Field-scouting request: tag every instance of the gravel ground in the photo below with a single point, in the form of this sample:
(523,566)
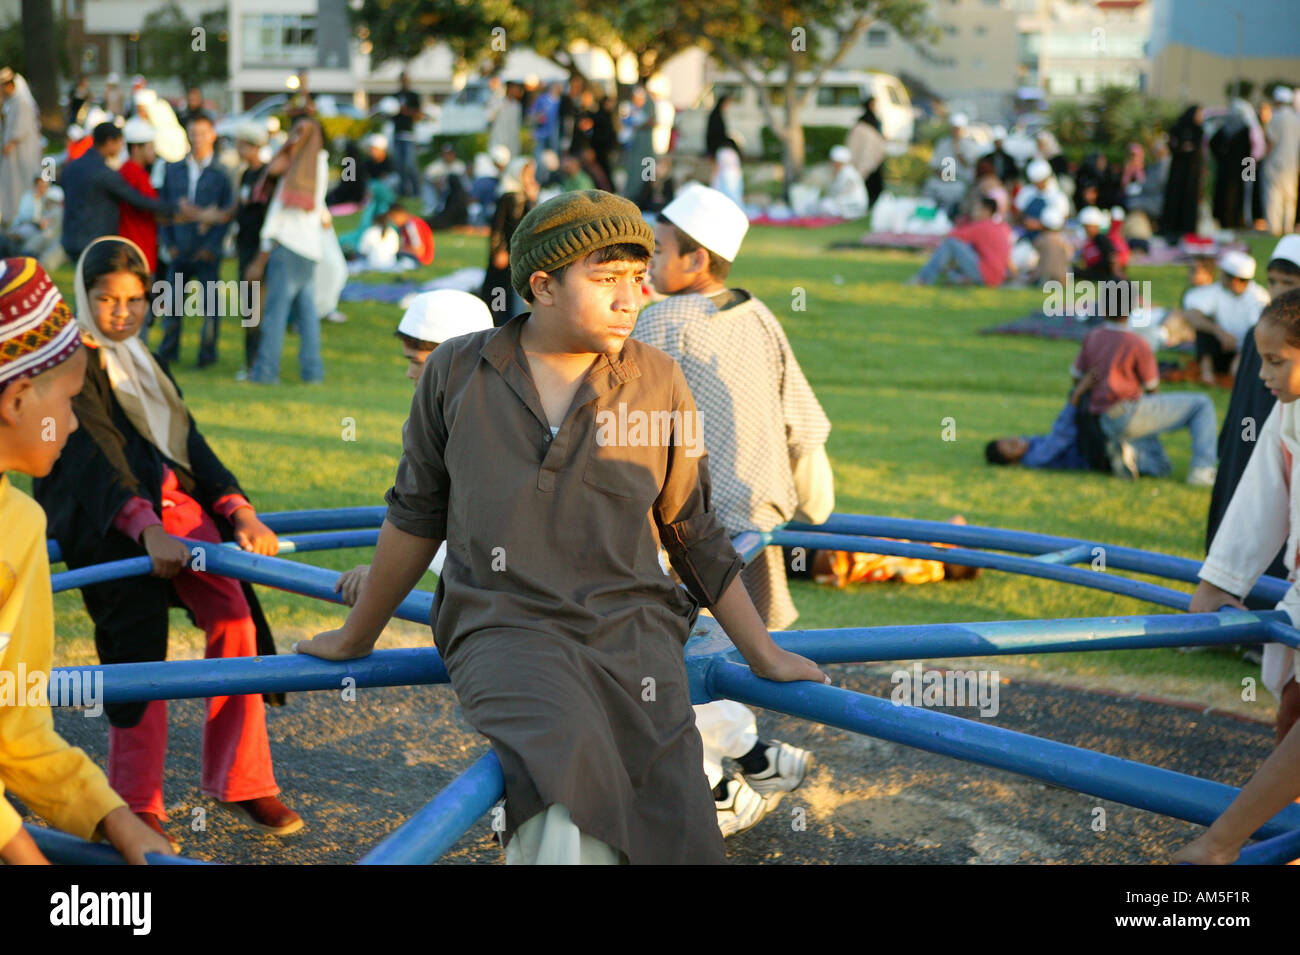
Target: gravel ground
(357,769)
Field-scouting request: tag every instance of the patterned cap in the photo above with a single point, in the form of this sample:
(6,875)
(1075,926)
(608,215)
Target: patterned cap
(36,327)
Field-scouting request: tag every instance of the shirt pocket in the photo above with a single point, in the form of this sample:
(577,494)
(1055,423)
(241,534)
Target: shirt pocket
(623,472)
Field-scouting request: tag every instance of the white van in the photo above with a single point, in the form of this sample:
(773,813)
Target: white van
(837,102)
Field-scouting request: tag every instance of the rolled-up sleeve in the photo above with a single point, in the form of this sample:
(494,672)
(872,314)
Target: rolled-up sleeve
(417,501)
(691,532)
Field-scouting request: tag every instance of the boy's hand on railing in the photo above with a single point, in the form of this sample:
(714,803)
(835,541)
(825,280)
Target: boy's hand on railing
(1210,599)
(22,850)
(1203,851)
(131,837)
(169,555)
(251,534)
(334,645)
(350,583)
(784,666)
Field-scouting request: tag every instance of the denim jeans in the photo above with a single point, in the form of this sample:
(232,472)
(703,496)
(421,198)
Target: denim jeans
(1156,414)
(955,253)
(205,273)
(404,159)
(290,290)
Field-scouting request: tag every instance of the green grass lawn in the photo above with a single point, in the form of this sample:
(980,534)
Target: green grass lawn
(889,364)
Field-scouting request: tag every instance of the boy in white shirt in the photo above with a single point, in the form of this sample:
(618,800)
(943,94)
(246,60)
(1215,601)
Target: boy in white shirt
(1222,314)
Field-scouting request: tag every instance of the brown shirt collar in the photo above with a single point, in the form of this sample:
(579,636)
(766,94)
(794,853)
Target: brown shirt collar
(504,352)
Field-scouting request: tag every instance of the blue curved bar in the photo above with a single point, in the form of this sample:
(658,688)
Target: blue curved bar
(64,849)
(433,830)
(1097,580)
(1107,777)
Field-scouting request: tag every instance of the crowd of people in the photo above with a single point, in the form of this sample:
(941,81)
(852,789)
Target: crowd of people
(594,308)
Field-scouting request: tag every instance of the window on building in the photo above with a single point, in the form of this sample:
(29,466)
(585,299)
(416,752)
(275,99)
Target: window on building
(877,36)
(279,39)
(90,58)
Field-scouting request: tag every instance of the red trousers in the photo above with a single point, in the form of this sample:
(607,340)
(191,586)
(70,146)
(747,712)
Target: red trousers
(236,751)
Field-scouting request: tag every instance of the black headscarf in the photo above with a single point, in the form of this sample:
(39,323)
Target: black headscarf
(869,114)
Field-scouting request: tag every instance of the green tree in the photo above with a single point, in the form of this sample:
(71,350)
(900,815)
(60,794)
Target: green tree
(172,45)
(37,28)
(763,40)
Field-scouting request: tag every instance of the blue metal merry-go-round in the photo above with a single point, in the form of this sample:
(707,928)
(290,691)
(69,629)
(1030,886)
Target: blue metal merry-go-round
(717,670)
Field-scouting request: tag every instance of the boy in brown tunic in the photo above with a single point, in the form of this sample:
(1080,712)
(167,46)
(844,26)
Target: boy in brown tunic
(554,455)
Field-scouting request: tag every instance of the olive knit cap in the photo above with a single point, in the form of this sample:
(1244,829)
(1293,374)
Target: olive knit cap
(571,225)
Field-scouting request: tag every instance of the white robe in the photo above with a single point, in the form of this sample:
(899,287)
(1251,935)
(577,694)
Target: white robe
(19,123)
(1264,514)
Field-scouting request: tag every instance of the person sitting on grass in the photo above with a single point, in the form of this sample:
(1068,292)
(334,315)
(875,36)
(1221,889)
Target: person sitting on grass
(1126,374)
(430,319)
(1102,261)
(552,614)
(42,365)
(1053,250)
(978,251)
(1063,447)
(134,479)
(1258,523)
(1223,314)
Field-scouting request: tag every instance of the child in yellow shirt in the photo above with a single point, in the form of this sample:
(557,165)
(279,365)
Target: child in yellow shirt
(41,369)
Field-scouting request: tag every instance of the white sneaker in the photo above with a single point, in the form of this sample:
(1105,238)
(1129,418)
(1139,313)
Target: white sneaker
(786,768)
(1202,476)
(337,317)
(741,809)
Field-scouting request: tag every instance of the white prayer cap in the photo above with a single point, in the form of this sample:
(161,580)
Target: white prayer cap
(252,132)
(377,141)
(710,218)
(445,313)
(145,97)
(94,116)
(840,154)
(75,132)
(1237,264)
(112,79)
(999,132)
(1052,218)
(958,121)
(1094,216)
(54,194)
(500,154)
(1283,94)
(138,130)
(1039,170)
(1288,249)
(1117,213)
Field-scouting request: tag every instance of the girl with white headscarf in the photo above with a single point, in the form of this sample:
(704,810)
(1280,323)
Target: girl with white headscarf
(138,479)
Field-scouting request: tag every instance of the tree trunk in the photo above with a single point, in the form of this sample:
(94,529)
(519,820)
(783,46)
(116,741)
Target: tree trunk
(42,62)
(793,152)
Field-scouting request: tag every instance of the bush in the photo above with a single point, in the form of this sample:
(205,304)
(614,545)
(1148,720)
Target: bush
(817,140)
(906,174)
(467,145)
